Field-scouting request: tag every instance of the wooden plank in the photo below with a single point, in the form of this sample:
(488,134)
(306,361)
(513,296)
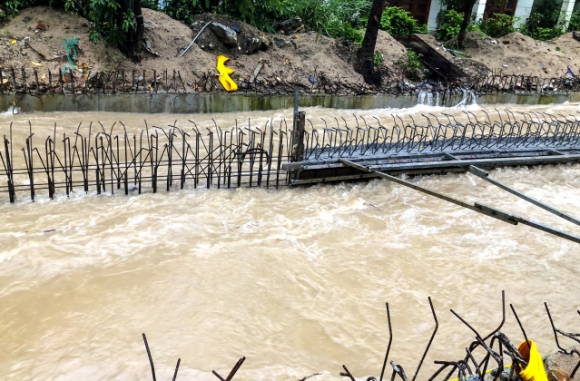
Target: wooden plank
(432,58)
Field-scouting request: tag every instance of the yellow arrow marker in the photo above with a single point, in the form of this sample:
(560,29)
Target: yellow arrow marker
(225,72)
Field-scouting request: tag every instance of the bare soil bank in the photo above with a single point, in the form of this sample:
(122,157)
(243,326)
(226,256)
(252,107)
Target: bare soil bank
(316,63)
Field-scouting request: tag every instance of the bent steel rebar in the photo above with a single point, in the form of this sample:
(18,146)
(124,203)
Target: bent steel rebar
(472,367)
(27,81)
(273,155)
(575,337)
(430,340)
(389,345)
(485,176)
(232,372)
(150,358)
(476,207)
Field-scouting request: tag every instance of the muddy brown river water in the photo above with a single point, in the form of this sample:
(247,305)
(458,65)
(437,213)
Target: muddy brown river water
(294,279)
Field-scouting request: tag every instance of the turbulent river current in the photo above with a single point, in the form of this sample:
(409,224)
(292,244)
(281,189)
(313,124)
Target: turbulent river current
(294,279)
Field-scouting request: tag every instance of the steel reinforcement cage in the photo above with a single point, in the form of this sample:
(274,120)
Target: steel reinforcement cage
(38,82)
(109,159)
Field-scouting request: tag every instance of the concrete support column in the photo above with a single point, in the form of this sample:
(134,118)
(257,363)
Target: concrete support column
(567,9)
(436,7)
(479,9)
(433,12)
(523,11)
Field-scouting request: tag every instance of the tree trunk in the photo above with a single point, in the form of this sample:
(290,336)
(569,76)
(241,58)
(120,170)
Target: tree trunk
(140,27)
(213,4)
(467,11)
(134,35)
(365,55)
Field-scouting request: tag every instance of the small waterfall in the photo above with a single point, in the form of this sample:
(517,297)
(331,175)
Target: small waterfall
(463,102)
(12,110)
(428,97)
(473,98)
(422,95)
(425,98)
(467,97)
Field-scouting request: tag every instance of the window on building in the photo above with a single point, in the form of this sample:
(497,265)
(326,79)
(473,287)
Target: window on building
(418,8)
(507,7)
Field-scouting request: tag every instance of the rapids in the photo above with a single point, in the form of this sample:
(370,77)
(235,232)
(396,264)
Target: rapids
(296,280)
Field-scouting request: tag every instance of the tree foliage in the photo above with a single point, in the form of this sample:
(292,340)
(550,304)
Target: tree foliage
(109,20)
(574,21)
(398,22)
(499,25)
(365,55)
(467,8)
(334,18)
(450,25)
(259,13)
(114,22)
(543,23)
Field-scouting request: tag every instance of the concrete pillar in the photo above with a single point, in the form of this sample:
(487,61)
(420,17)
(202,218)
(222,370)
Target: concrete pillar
(433,12)
(479,9)
(567,9)
(436,7)
(523,11)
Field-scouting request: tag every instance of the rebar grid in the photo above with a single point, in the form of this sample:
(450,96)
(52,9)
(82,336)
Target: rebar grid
(474,365)
(39,82)
(109,159)
(368,138)
(97,158)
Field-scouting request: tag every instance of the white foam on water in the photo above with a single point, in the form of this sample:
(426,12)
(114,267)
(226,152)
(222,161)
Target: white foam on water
(12,110)
(294,279)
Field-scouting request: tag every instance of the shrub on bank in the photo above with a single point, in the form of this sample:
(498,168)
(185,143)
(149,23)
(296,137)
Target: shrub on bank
(574,22)
(259,13)
(411,65)
(499,25)
(334,18)
(10,8)
(398,22)
(543,23)
(450,24)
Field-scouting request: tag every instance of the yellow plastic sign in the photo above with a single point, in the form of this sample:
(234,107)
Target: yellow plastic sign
(225,72)
(535,370)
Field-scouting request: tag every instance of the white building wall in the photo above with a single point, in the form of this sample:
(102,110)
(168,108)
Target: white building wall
(433,12)
(436,7)
(479,9)
(567,9)
(523,11)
